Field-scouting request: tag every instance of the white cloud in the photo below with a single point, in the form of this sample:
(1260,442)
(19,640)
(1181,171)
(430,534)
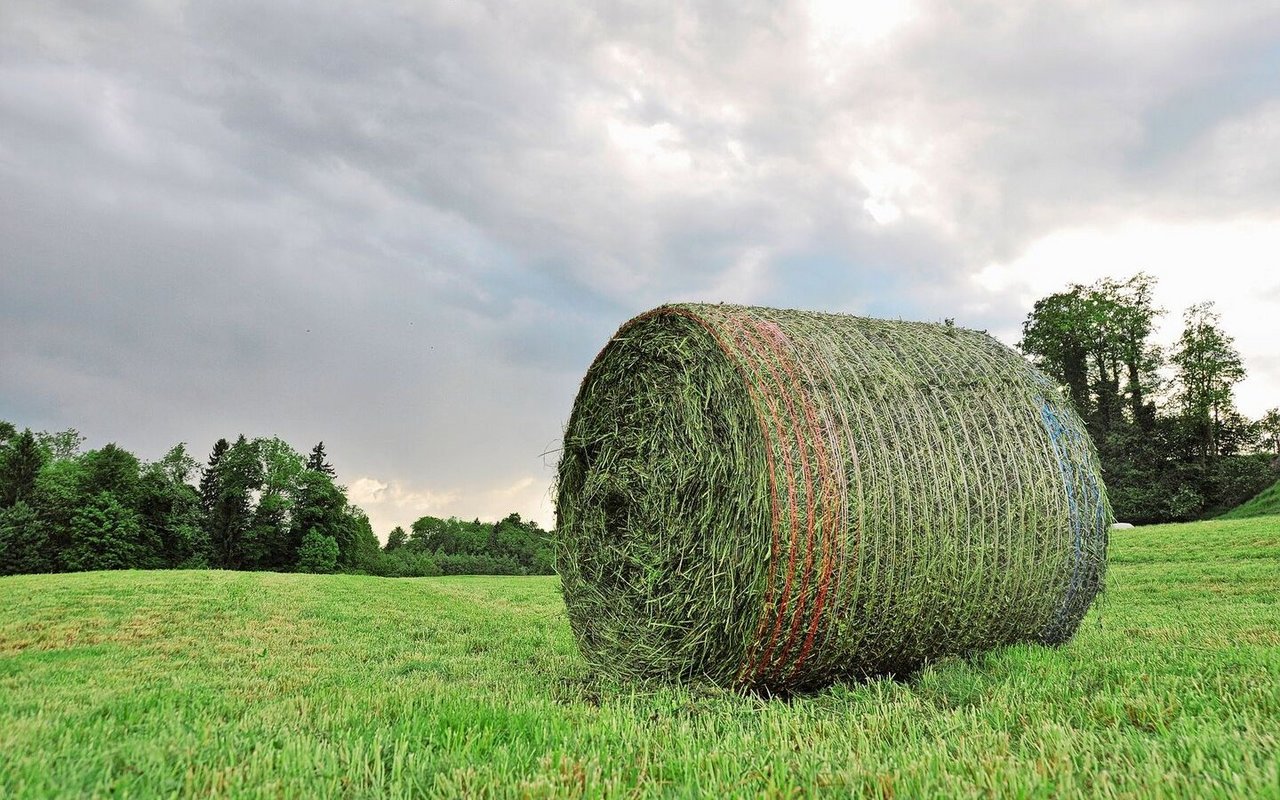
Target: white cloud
(839,26)
(650,147)
(392,502)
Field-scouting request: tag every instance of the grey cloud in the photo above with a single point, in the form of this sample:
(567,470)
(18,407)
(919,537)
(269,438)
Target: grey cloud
(407,228)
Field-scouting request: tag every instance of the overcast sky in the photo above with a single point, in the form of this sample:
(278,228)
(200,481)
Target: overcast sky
(407,228)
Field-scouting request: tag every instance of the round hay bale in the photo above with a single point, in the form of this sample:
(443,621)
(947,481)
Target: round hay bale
(778,499)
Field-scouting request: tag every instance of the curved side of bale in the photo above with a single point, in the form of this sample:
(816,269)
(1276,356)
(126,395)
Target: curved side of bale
(778,499)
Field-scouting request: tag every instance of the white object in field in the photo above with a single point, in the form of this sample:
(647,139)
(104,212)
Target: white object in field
(1121,526)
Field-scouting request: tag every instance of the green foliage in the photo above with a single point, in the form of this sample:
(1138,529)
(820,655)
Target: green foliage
(1265,503)
(473,687)
(20,461)
(1157,475)
(1095,341)
(169,508)
(254,502)
(7,432)
(58,498)
(1233,481)
(406,562)
(110,469)
(364,551)
(1208,368)
(211,479)
(510,547)
(105,535)
(1188,460)
(1056,334)
(318,461)
(267,541)
(396,539)
(318,553)
(321,506)
(230,518)
(61,445)
(270,543)
(1269,429)
(24,545)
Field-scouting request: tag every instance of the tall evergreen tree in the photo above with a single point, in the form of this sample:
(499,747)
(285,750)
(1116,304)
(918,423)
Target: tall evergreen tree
(23,541)
(320,507)
(240,475)
(211,479)
(20,463)
(318,462)
(396,540)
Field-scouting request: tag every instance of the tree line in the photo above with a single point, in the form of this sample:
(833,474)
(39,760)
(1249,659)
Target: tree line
(256,504)
(1172,444)
(434,546)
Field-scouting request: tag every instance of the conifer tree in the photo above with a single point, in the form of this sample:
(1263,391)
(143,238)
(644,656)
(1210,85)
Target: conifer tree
(318,462)
(240,473)
(211,478)
(397,539)
(23,541)
(20,463)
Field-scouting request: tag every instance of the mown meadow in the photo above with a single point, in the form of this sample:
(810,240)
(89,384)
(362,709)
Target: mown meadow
(266,685)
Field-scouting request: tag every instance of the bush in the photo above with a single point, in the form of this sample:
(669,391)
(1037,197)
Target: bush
(405,563)
(1236,479)
(318,553)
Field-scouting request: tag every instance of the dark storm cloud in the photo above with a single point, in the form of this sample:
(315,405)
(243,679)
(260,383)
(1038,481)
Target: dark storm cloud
(406,228)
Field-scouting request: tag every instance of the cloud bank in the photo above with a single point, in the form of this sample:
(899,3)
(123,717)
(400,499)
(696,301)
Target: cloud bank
(407,228)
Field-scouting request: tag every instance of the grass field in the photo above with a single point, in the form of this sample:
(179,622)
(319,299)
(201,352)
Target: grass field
(165,683)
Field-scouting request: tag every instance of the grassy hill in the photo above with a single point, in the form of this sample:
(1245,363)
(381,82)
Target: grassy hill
(1266,502)
(264,685)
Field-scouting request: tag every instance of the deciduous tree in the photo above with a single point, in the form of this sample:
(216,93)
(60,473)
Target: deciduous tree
(318,553)
(1208,368)
(104,535)
(1270,425)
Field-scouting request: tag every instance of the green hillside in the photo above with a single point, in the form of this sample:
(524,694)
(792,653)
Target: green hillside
(269,685)
(1266,502)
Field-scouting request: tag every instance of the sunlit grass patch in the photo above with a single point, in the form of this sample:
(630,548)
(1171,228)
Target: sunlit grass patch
(264,685)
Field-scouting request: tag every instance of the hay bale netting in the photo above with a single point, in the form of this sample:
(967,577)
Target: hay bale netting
(779,499)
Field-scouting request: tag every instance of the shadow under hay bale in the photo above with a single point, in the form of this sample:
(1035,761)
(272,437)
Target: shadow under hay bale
(775,499)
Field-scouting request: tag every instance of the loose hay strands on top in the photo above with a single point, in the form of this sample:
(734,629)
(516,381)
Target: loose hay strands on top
(778,499)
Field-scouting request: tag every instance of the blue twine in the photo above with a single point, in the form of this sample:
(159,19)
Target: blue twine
(1067,439)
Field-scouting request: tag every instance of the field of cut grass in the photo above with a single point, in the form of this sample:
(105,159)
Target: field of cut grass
(1266,502)
(143,684)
